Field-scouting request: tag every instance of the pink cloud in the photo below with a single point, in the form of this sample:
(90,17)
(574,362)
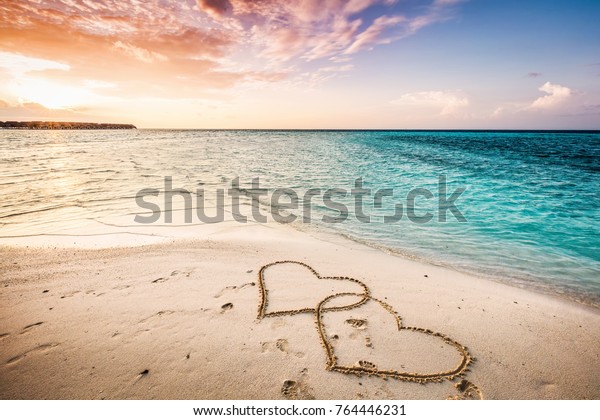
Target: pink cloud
(161,48)
(144,48)
(278,29)
(314,29)
(373,34)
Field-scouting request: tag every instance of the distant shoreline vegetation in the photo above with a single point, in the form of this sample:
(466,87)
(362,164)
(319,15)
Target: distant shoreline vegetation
(62,125)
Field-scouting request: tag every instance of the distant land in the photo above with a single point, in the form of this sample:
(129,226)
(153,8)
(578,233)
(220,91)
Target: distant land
(61,125)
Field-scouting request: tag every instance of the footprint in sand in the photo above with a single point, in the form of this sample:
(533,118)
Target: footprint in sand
(466,391)
(157,315)
(94,293)
(367,365)
(70,294)
(40,348)
(296,390)
(359,324)
(173,274)
(360,329)
(230,288)
(226,307)
(30,326)
(281,345)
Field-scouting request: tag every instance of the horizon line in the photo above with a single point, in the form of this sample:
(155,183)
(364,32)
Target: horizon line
(521,130)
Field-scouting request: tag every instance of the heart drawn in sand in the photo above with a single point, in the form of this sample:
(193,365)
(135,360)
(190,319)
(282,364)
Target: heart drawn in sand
(404,348)
(303,276)
(363,367)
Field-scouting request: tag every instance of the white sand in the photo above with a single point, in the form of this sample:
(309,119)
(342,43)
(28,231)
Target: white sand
(85,323)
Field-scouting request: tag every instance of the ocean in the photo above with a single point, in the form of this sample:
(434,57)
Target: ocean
(525,210)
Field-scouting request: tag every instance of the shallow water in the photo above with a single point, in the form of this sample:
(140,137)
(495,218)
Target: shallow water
(531,200)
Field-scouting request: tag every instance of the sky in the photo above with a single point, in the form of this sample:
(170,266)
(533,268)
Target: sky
(429,64)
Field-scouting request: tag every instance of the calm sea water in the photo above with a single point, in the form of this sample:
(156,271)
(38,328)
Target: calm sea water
(531,200)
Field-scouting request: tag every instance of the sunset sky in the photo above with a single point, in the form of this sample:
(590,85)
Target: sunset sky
(303,63)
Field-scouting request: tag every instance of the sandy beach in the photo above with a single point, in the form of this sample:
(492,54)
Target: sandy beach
(187,319)
(363,200)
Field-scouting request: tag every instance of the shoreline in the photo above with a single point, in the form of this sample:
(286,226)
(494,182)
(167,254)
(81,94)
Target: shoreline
(172,308)
(533,284)
(120,231)
(102,237)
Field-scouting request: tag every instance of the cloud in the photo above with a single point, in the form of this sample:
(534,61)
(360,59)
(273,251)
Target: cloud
(215,7)
(556,94)
(447,2)
(314,29)
(499,111)
(373,34)
(192,48)
(337,69)
(18,64)
(448,102)
(33,110)
(276,30)
(138,53)
(533,74)
(115,41)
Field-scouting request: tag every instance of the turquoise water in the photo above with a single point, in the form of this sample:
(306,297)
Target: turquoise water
(530,200)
